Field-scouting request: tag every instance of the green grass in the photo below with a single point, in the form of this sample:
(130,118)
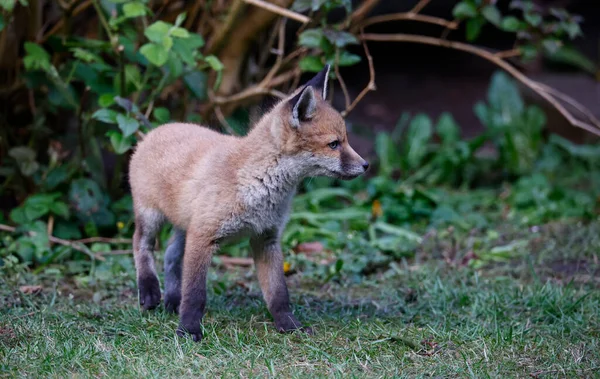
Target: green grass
(536,314)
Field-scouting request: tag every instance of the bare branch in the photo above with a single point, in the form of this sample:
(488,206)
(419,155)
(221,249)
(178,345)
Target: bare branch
(361,12)
(280,51)
(535,86)
(407,16)
(420,5)
(370,86)
(73,245)
(340,79)
(279,10)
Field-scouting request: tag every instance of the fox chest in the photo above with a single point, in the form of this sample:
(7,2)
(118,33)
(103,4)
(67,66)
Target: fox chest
(260,211)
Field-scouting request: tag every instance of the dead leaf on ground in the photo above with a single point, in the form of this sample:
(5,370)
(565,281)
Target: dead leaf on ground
(30,290)
(310,247)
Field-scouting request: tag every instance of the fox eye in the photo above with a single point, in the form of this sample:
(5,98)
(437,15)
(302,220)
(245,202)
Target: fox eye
(334,144)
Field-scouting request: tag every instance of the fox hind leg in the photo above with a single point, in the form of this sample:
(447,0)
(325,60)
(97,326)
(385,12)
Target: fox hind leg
(172,267)
(147,225)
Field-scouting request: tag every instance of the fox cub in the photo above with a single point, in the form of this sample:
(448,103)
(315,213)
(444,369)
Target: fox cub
(213,187)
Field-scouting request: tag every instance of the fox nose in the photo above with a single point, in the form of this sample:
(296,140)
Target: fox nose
(365,165)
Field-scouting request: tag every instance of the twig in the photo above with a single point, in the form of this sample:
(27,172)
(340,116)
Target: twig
(221,116)
(79,247)
(408,16)
(535,86)
(340,79)
(280,51)
(508,53)
(420,5)
(370,86)
(256,90)
(80,8)
(221,33)
(279,10)
(569,100)
(104,239)
(361,12)
(234,261)
(104,22)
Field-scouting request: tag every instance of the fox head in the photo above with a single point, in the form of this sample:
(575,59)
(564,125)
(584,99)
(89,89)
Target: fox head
(315,132)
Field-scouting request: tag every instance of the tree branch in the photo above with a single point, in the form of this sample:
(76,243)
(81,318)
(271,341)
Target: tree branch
(535,86)
(370,86)
(407,16)
(72,244)
(279,10)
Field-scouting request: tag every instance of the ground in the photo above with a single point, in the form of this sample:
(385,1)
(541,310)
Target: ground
(536,315)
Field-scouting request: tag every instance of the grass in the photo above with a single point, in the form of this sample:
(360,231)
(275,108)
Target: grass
(537,315)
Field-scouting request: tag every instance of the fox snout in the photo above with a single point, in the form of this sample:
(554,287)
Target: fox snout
(352,165)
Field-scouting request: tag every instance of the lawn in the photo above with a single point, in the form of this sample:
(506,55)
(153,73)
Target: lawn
(537,315)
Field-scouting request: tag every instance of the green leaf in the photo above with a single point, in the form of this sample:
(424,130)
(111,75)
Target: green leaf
(419,134)
(161,114)
(119,143)
(179,32)
(386,153)
(85,55)
(2,22)
(348,59)
(311,38)
(504,96)
(463,10)
(304,5)
(188,48)
(105,115)
(474,26)
(447,128)
(572,28)
(134,9)
(528,52)
(533,19)
(155,53)
(180,19)
(60,209)
(340,38)
(196,82)
(157,31)
(214,63)
(571,56)
(551,45)
(36,58)
(511,24)
(492,14)
(311,63)
(127,124)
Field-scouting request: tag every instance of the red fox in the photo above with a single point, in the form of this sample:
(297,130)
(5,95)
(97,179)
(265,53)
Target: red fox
(213,187)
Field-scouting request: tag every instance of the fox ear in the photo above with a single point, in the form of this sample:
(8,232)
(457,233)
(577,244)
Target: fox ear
(304,106)
(320,81)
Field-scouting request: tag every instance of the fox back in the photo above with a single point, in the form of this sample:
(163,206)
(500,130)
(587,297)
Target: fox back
(213,187)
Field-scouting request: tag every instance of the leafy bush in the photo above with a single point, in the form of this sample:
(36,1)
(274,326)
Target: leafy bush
(90,93)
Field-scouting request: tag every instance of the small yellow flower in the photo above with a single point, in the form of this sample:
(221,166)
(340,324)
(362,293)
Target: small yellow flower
(376,209)
(286,267)
(120,225)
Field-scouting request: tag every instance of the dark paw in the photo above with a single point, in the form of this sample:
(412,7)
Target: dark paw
(149,290)
(196,334)
(172,301)
(287,323)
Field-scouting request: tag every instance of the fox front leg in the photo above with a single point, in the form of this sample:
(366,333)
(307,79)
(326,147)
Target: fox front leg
(268,259)
(199,250)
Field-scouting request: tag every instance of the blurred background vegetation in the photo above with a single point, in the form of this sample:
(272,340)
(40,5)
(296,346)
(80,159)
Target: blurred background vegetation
(463,138)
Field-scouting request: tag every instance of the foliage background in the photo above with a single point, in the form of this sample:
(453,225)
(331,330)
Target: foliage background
(84,80)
